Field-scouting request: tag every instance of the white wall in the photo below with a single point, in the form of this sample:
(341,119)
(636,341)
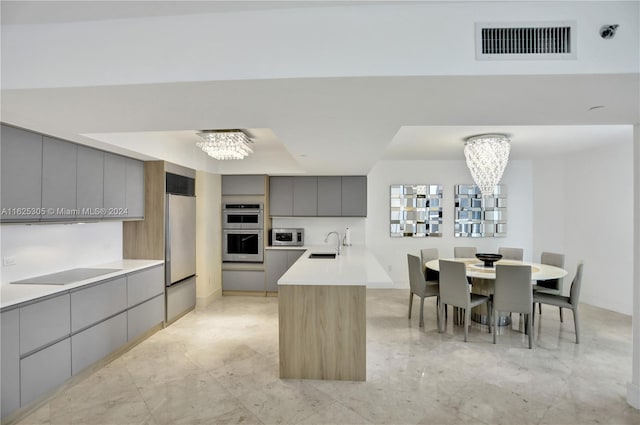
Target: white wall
(316,229)
(299,43)
(584,208)
(601,181)
(49,248)
(208,239)
(392,252)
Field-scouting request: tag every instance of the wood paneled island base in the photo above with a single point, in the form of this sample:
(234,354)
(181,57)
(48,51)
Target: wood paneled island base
(323,332)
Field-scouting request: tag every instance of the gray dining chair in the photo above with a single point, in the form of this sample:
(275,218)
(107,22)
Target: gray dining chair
(513,294)
(464,251)
(564,302)
(420,287)
(551,286)
(454,290)
(511,253)
(428,254)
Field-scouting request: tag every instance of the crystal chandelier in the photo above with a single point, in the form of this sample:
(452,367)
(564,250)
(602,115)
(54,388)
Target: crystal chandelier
(225,144)
(487,156)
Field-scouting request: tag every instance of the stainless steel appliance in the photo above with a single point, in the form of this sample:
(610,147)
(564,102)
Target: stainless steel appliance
(242,216)
(180,246)
(242,245)
(287,237)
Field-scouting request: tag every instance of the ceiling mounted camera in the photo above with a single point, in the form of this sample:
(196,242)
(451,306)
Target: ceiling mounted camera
(608,31)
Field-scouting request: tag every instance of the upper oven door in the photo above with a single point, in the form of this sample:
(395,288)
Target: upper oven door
(242,219)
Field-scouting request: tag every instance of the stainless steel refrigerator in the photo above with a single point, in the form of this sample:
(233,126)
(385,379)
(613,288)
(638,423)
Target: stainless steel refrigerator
(180,254)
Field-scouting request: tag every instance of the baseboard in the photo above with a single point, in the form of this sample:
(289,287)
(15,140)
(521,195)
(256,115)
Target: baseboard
(633,395)
(244,293)
(202,302)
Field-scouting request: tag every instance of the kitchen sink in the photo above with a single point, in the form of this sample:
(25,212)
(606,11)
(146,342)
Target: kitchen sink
(323,255)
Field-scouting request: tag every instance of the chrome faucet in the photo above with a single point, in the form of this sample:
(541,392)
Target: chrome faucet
(339,240)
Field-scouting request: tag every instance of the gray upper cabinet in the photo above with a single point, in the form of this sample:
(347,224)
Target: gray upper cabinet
(324,196)
(330,196)
(115,180)
(89,182)
(354,196)
(281,196)
(21,153)
(59,166)
(134,192)
(243,185)
(305,196)
(48,179)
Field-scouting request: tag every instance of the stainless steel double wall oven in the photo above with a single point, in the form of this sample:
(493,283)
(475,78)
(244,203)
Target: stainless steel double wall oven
(242,239)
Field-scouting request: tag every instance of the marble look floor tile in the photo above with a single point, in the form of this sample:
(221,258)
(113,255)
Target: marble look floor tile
(285,401)
(219,365)
(248,374)
(335,414)
(190,400)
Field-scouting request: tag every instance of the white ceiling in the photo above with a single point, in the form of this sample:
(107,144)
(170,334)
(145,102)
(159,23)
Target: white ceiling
(328,125)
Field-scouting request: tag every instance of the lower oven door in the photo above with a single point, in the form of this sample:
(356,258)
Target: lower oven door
(244,246)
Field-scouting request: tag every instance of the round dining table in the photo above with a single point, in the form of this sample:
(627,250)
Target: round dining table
(482,278)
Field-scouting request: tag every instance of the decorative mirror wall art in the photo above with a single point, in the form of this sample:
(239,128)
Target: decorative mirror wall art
(416,210)
(478,217)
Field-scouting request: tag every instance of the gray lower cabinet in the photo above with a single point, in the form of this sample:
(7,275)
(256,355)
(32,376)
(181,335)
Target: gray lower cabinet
(243,280)
(89,182)
(115,180)
(96,342)
(93,304)
(59,168)
(277,262)
(354,196)
(21,179)
(243,185)
(44,322)
(10,361)
(329,196)
(144,317)
(44,342)
(181,297)
(281,196)
(305,196)
(134,189)
(144,285)
(44,370)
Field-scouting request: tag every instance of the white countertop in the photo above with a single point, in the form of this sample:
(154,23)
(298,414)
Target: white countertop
(12,294)
(354,266)
(288,247)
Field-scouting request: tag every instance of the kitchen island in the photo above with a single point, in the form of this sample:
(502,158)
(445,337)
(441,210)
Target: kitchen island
(322,314)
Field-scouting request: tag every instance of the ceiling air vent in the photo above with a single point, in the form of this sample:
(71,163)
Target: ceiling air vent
(540,40)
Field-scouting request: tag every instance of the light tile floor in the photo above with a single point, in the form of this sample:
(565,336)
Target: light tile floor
(219,365)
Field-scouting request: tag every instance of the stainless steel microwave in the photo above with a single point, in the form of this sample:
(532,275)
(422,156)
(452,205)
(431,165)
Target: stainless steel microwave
(242,216)
(287,237)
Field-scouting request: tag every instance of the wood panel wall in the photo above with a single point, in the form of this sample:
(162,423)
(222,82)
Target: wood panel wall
(145,239)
